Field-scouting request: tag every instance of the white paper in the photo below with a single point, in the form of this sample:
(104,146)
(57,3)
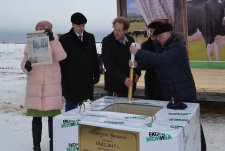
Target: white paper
(38,48)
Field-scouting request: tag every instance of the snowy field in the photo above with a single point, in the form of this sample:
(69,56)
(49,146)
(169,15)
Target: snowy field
(15,127)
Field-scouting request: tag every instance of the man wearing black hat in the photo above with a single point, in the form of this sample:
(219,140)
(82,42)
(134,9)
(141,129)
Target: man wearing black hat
(173,70)
(152,87)
(80,70)
(172,65)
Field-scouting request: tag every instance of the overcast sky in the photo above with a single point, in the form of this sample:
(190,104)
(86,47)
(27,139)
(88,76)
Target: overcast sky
(22,15)
(132,7)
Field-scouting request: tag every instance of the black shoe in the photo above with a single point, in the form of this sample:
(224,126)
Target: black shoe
(50,132)
(37,149)
(36,133)
(50,146)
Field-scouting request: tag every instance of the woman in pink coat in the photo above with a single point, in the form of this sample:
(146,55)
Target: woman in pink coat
(43,91)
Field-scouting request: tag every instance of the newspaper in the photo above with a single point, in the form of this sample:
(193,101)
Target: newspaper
(38,48)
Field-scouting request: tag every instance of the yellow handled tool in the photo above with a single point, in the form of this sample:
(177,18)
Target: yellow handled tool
(130,89)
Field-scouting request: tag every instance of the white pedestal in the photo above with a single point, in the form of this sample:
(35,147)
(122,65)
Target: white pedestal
(175,130)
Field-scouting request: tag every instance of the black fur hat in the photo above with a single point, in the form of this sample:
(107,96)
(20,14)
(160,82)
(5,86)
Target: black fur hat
(163,28)
(78,18)
(154,24)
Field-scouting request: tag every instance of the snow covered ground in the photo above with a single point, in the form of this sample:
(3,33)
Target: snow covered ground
(15,127)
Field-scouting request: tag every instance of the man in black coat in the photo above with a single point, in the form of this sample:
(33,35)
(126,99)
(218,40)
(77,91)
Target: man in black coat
(173,70)
(172,64)
(80,70)
(152,87)
(115,56)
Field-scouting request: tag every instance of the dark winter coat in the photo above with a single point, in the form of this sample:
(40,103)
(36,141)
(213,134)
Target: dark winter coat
(80,70)
(173,70)
(152,87)
(115,56)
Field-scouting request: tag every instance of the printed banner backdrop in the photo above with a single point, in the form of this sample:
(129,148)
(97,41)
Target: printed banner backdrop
(206,27)
(138,28)
(206,30)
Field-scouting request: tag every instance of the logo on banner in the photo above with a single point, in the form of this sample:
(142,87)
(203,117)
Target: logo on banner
(142,103)
(72,147)
(179,120)
(149,125)
(113,122)
(157,136)
(176,126)
(179,114)
(141,117)
(94,115)
(69,123)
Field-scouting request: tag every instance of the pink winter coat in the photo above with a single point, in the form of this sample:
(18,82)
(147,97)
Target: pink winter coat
(43,91)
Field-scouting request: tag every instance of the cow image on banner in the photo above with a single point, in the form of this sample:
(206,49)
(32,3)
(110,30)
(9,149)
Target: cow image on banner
(205,24)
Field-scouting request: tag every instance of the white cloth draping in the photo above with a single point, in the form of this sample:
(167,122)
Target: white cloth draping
(156,9)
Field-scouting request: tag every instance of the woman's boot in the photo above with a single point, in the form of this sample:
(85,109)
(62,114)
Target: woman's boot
(50,132)
(36,132)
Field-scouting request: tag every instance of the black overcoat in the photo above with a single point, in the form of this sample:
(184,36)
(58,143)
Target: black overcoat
(80,68)
(173,70)
(115,56)
(152,87)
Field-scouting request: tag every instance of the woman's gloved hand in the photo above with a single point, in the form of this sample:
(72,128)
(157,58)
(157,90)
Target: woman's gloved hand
(50,34)
(28,66)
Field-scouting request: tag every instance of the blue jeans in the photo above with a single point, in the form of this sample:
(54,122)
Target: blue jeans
(70,105)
